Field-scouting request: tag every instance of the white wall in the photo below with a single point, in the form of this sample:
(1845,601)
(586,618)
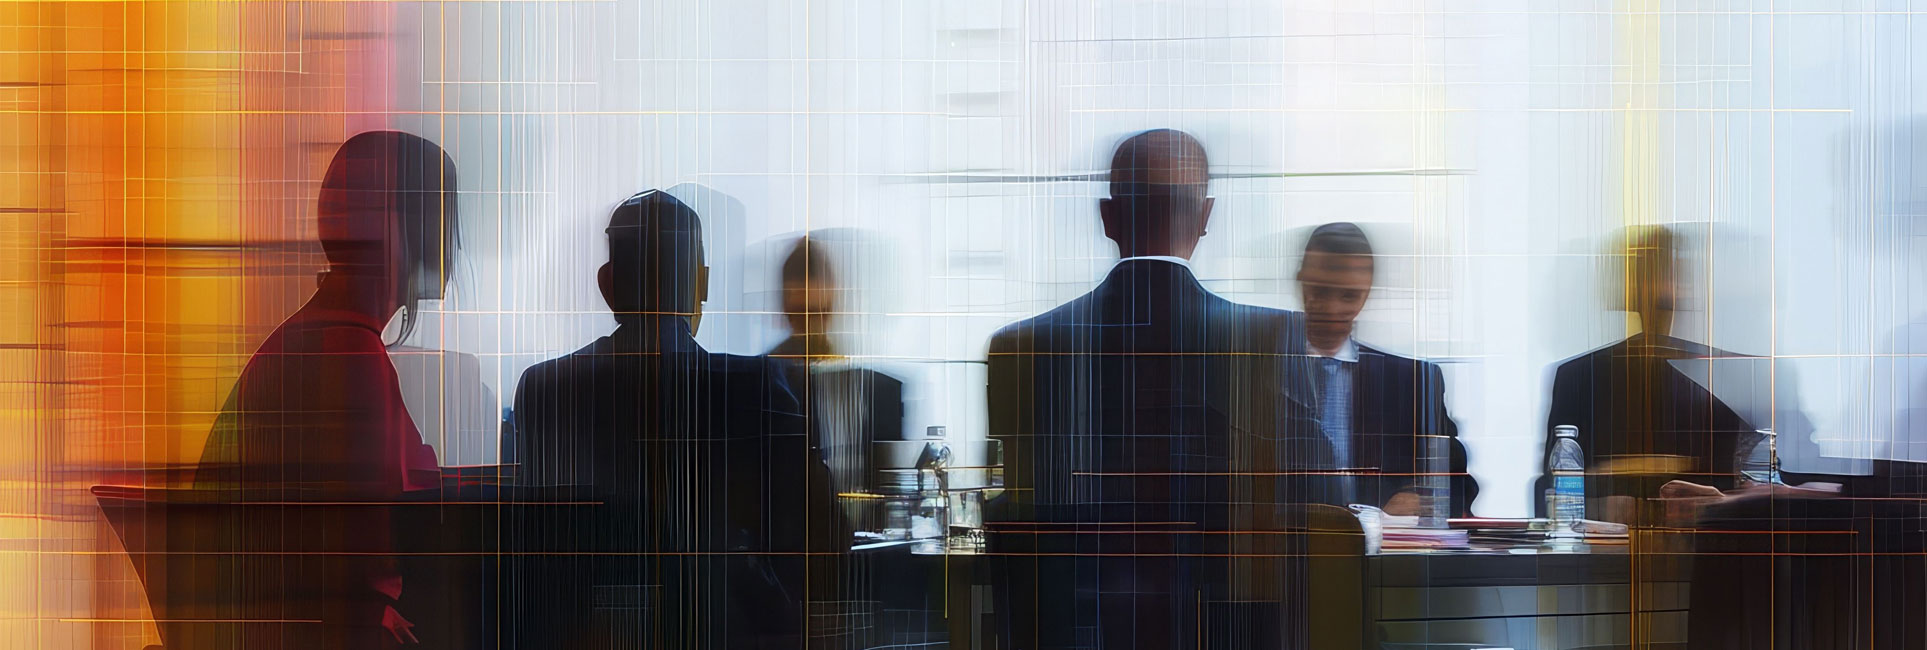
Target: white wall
(1504,139)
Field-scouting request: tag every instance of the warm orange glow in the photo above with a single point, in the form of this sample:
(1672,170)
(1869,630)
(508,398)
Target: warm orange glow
(156,193)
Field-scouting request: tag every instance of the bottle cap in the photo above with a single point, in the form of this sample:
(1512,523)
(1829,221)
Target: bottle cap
(1565,431)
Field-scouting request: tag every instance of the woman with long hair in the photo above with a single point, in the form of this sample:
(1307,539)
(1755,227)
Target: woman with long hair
(317,416)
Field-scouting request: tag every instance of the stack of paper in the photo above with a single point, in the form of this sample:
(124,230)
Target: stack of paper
(1402,537)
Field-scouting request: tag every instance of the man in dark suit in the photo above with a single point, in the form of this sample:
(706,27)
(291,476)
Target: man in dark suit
(1647,428)
(711,493)
(1142,423)
(1373,405)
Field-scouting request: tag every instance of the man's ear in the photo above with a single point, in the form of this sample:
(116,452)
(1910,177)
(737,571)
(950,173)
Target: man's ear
(1116,226)
(605,279)
(702,286)
(1204,216)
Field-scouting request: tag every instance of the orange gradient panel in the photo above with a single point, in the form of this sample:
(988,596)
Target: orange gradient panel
(156,212)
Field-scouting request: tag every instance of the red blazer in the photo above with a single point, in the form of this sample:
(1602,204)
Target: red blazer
(317,415)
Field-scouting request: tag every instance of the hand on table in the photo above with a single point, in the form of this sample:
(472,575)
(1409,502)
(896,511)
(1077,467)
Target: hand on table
(1686,490)
(1403,504)
(1686,499)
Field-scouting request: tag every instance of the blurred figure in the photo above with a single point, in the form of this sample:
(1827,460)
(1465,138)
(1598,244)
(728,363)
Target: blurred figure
(1661,416)
(713,493)
(809,302)
(1897,407)
(1642,419)
(1148,410)
(1836,558)
(318,415)
(849,406)
(1372,405)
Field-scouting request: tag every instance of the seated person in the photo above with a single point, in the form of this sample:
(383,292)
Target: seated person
(700,460)
(1372,405)
(318,413)
(1147,446)
(849,406)
(1649,420)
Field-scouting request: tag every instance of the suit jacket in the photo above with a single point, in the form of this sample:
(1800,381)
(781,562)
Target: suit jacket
(849,407)
(1140,423)
(1629,399)
(1394,400)
(712,495)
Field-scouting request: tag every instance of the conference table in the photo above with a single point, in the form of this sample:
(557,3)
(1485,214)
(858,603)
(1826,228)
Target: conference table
(1521,593)
(1527,597)
(1854,565)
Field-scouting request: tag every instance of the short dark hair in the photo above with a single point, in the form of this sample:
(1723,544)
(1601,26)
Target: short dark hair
(655,249)
(1159,191)
(1339,238)
(807,261)
(1157,150)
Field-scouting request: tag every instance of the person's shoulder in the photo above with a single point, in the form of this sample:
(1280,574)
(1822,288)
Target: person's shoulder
(1012,338)
(1253,310)
(1579,371)
(1023,334)
(304,335)
(1254,326)
(1700,350)
(1389,357)
(1250,313)
(1592,356)
(740,365)
(739,374)
(543,373)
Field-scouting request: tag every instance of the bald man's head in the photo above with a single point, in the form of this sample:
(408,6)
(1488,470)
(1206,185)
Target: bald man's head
(1159,204)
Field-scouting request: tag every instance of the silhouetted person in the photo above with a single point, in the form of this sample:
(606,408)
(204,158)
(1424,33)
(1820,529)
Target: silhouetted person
(849,405)
(1642,420)
(1836,561)
(712,495)
(1372,405)
(1140,422)
(810,291)
(317,414)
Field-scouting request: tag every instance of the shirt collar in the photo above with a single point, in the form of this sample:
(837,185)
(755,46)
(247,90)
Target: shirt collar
(1348,352)
(1162,258)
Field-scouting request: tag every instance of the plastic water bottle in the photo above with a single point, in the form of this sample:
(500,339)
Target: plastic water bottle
(932,518)
(1757,458)
(1566,504)
(1434,486)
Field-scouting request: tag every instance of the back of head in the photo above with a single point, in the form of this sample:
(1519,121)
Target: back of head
(807,262)
(656,257)
(1158,205)
(384,185)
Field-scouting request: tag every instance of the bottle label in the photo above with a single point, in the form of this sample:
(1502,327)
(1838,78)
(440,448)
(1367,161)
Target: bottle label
(1569,498)
(1574,485)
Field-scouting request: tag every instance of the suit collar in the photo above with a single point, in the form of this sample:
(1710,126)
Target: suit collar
(1151,273)
(670,334)
(1348,352)
(1159,258)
